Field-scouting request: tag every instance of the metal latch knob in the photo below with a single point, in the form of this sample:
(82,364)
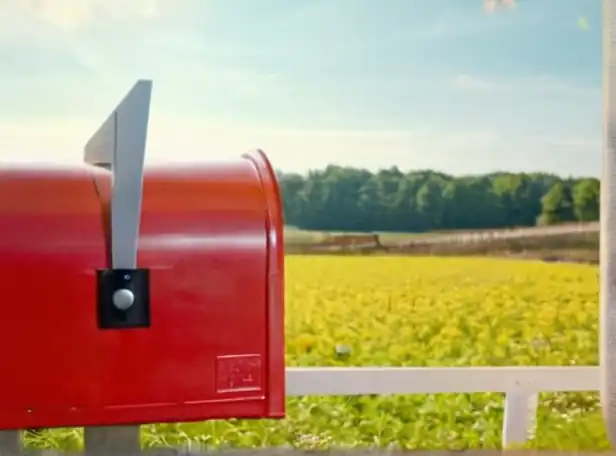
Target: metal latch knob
(123,299)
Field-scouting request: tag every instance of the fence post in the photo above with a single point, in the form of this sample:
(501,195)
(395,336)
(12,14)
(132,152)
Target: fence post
(607,318)
(520,417)
(108,440)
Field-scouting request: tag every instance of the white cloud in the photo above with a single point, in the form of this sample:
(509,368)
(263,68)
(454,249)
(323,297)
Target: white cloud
(72,14)
(468,82)
(541,85)
(91,33)
(491,6)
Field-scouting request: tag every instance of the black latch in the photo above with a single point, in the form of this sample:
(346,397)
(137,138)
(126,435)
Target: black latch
(123,298)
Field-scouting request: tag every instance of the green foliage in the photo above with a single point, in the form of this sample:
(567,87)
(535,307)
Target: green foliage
(586,199)
(349,199)
(557,204)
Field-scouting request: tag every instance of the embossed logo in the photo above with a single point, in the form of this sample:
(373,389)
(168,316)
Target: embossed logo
(237,373)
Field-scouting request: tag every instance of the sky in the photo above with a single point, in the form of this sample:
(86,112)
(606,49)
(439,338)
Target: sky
(416,84)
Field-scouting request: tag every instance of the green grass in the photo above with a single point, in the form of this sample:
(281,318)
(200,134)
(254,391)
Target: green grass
(411,422)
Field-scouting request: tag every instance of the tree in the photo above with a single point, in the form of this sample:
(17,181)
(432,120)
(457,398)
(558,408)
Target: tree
(557,205)
(430,203)
(348,199)
(586,200)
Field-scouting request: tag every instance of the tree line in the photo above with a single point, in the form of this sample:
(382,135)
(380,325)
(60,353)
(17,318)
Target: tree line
(350,199)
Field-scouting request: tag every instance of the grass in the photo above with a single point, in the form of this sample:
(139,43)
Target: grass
(403,311)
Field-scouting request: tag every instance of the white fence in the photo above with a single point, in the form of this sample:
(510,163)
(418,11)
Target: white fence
(521,386)
(479,236)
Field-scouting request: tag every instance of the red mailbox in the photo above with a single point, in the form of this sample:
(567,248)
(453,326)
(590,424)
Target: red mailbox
(132,296)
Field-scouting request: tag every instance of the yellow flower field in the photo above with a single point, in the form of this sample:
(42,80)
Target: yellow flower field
(396,311)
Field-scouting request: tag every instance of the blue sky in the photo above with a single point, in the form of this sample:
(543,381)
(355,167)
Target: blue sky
(413,83)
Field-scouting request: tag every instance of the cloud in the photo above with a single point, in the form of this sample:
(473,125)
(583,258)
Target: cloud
(74,14)
(472,83)
(83,32)
(62,45)
(535,85)
(491,6)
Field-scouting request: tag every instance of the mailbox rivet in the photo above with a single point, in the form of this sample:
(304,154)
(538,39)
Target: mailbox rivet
(123,299)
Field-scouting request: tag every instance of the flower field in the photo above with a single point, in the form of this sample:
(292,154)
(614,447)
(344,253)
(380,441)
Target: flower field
(396,311)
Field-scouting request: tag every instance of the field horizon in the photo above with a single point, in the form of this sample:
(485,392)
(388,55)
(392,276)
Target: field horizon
(571,242)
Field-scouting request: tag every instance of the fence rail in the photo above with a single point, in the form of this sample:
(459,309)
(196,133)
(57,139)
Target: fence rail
(521,386)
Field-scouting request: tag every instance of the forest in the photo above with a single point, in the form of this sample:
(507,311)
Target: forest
(349,199)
